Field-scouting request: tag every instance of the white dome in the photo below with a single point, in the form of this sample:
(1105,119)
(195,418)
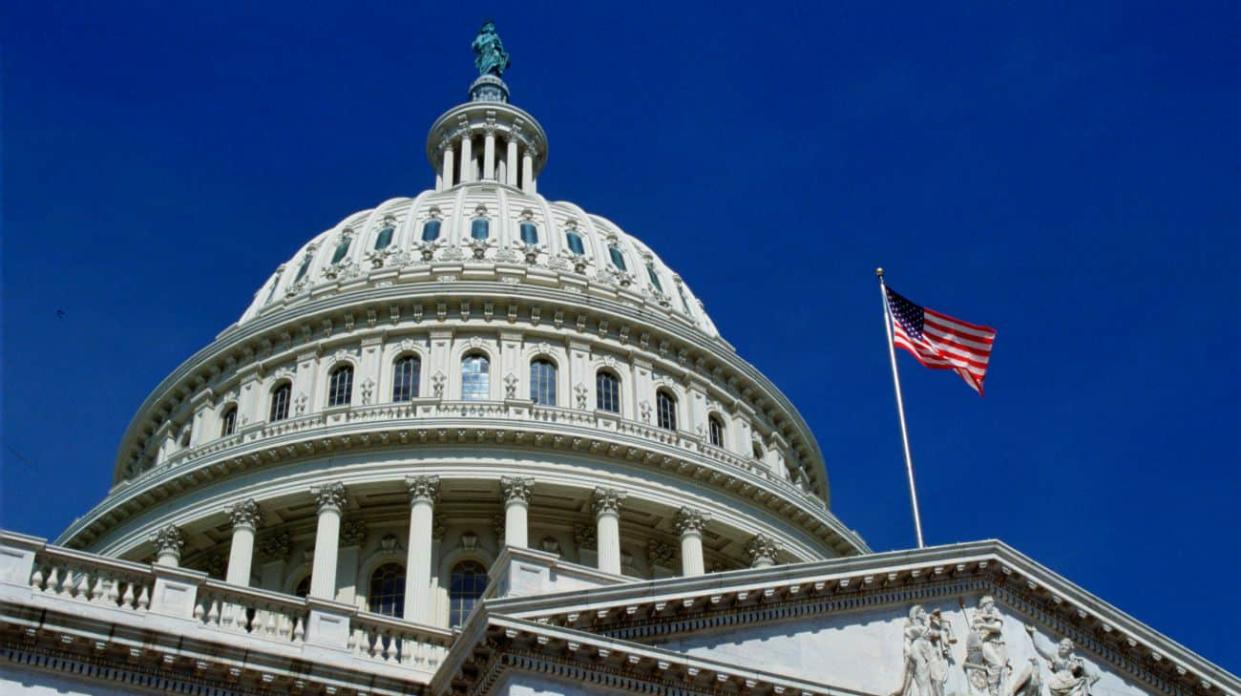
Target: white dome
(369,245)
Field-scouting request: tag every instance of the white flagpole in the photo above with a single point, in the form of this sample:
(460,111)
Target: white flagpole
(900,406)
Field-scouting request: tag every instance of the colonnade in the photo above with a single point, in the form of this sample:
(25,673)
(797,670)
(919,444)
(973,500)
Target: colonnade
(458,164)
(330,499)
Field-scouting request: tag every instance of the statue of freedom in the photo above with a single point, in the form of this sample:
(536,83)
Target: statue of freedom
(489,55)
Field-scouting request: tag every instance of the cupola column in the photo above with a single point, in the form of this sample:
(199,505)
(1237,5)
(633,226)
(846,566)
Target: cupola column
(246,518)
(422,493)
(690,523)
(168,544)
(762,551)
(447,167)
(331,500)
(489,155)
(527,171)
(467,159)
(516,509)
(607,533)
(510,169)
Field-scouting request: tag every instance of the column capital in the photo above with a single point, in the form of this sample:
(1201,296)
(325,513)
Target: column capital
(762,549)
(422,488)
(245,515)
(691,521)
(517,488)
(168,540)
(329,497)
(608,501)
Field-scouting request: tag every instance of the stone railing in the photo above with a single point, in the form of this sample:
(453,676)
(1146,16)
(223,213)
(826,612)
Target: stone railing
(73,583)
(426,411)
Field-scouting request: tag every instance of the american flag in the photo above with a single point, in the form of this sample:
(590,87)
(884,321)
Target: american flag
(941,342)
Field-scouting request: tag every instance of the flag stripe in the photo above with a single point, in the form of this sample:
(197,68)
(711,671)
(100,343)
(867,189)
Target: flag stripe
(941,342)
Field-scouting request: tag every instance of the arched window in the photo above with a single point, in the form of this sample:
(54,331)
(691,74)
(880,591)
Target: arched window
(385,237)
(340,386)
(431,230)
(618,259)
(650,273)
(387,590)
(280,402)
(574,240)
(543,382)
(469,579)
(342,248)
(716,428)
(666,408)
(475,378)
(480,228)
(405,375)
(303,587)
(607,392)
(301,272)
(529,233)
(228,422)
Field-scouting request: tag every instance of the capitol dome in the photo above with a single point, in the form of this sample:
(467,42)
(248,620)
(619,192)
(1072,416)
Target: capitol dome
(448,374)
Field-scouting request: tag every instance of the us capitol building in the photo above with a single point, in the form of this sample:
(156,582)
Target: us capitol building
(481,442)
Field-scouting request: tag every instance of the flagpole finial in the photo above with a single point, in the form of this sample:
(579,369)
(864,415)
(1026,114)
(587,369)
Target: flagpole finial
(879,272)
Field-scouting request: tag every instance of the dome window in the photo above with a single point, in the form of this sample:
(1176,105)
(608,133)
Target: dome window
(475,378)
(341,249)
(529,233)
(618,259)
(405,378)
(275,282)
(387,590)
(480,228)
(684,300)
(607,392)
(543,382)
(715,426)
(280,402)
(468,580)
(666,408)
(301,272)
(228,422)
(385,237)
(574,240)
(340,386)
(431,230)
(650,273)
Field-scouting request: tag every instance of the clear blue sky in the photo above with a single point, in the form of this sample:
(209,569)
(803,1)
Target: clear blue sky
(1069,175)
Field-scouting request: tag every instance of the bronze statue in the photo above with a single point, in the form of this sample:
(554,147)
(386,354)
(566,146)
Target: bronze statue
(489,55)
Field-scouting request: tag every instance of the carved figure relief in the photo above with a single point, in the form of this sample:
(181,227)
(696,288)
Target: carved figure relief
(986,657)
(927,652)
(1069,674)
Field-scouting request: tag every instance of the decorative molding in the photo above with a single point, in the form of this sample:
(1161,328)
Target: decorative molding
(608,501)
(168,540)
(691,521)
(245,515)
(517,488)
(275,546)
(353,532)
(762,549)
(422,488)
(329,497)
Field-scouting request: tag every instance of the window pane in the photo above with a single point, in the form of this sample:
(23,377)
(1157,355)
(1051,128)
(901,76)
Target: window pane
(466,585)
(543,382)
(340,390)
(607,392)
(405,378)
(480,228)
(280,403)
(717,432)
(650,272)
(384,238)
(529,233)
(431,230)
(387,590)
(575,243)
(301,272)
(229,422)
(341,250)
(475,378)
(684,301)
(618,259)
(667,407)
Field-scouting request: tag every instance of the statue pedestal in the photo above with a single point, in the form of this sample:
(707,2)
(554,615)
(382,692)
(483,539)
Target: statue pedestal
(489,88)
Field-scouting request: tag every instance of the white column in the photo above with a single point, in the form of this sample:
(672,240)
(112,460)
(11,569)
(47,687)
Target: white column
(607,530)
(168,544)
(517,492)
(422,493)
(331,499)
(690,523)
(446,171)
(467,160)
(352,535)
(246,518)
(762,550)
(511,165)
(489,155)
(527,171)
